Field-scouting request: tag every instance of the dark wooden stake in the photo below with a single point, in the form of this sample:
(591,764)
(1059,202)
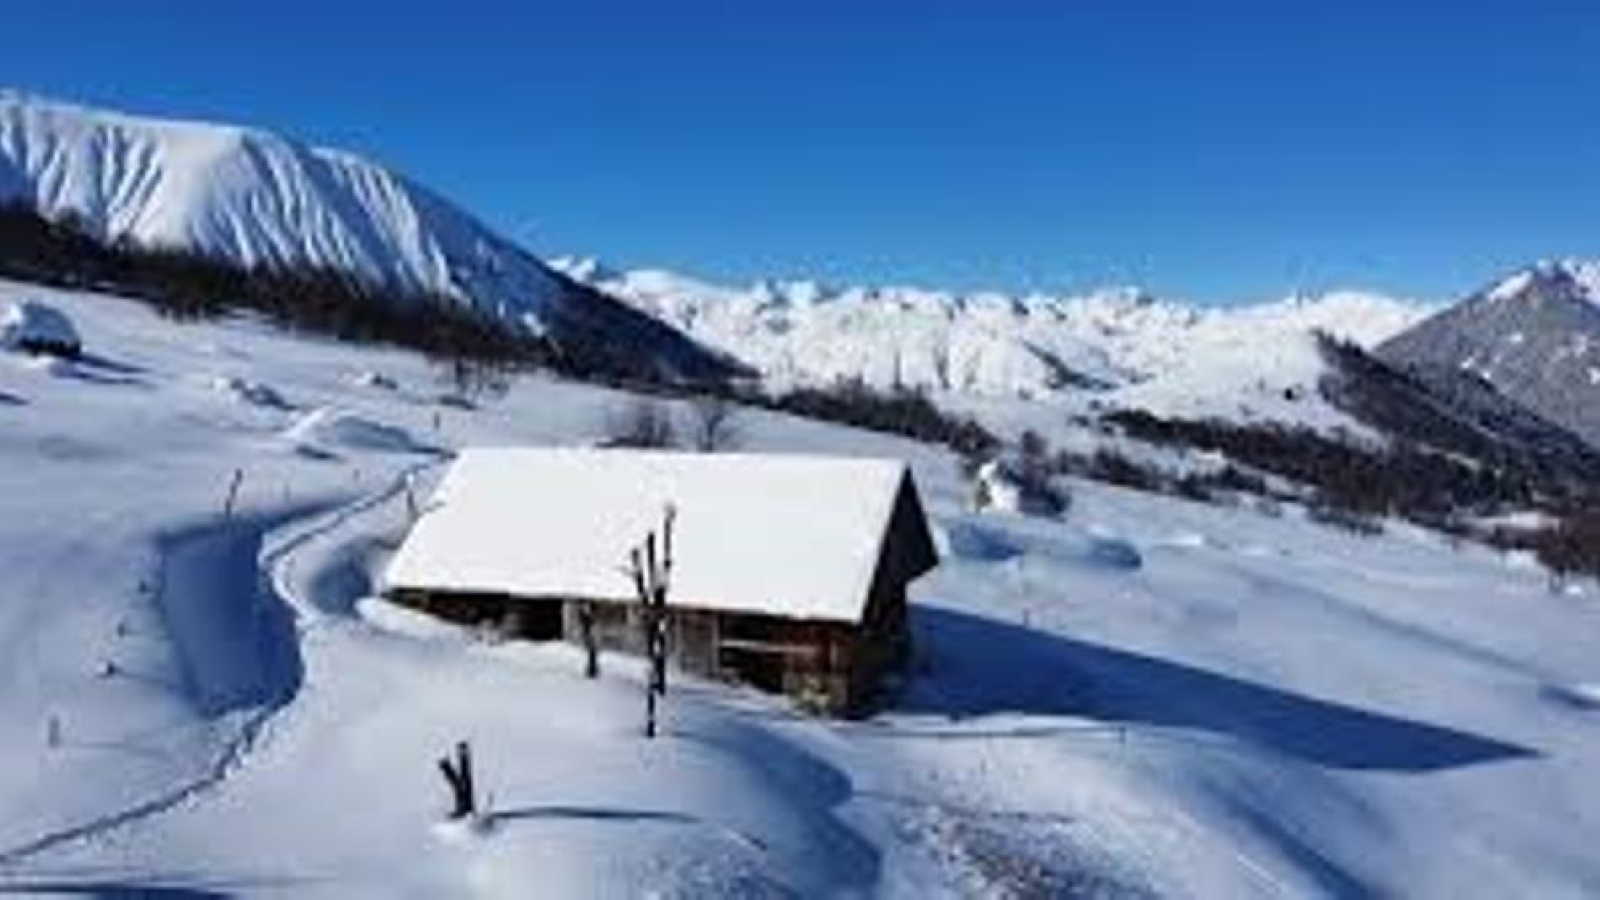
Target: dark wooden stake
(459,775)
(649,712)
(662,579)
(591,643)
(233,493)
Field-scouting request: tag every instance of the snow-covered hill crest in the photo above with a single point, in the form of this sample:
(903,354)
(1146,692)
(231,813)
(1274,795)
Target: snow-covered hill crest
(1550,279)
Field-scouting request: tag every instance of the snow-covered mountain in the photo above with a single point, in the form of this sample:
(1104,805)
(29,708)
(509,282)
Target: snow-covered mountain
(1121,344)
(251,197)
(1534,336)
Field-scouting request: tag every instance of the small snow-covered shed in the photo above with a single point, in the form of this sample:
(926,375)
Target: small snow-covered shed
(789,572)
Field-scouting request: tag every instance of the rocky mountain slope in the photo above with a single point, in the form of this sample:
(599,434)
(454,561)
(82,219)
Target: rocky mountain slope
(1534,337)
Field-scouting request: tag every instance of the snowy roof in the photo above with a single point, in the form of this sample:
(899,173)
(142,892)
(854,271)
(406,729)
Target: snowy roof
(796,536)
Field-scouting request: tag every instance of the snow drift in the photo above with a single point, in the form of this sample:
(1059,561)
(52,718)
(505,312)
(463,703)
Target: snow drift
(327,429)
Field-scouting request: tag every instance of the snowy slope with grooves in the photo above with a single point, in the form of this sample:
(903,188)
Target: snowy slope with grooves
(252,198)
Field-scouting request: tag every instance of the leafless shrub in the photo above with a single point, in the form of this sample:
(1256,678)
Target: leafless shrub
(471,380)
(643,423)
(714,427)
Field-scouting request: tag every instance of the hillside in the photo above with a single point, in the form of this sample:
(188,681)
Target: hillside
(1146,698)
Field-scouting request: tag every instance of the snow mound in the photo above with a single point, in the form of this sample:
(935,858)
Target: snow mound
(377,380)
(36,327)
(396,619)
(1111,552)
(1185,540)
(1583,696)
(325,428)
(969,540)
(461,831)
(253,393)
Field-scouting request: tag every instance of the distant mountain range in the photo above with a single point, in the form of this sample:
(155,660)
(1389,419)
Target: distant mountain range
(1118,346)
(252,198)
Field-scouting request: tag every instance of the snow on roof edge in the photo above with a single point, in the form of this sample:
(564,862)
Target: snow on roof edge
(798,536)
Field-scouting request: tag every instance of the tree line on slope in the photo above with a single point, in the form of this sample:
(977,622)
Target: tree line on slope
(1460,471)
(472,350)
(1350,484)
(1396,478)
(187,286)
(192,286)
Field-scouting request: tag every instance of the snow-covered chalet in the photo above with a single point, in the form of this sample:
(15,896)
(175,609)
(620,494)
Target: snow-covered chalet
(789,572)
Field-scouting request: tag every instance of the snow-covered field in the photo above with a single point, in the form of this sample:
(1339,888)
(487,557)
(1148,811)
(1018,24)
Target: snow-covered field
(1148,698)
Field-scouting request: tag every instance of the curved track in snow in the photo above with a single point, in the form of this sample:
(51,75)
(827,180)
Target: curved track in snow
(200,563)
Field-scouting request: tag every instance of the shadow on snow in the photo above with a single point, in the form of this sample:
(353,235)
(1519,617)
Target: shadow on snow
(156,885)
(591,814)
(235,639)
(980,666)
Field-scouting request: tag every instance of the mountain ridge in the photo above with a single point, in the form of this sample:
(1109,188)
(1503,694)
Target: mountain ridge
(254,199)
(1533,335)
(1113,346)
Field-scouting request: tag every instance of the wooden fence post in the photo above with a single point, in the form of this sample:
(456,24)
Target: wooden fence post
(233,493)
(464,800)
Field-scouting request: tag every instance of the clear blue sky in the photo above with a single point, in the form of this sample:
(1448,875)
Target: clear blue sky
(1213,150)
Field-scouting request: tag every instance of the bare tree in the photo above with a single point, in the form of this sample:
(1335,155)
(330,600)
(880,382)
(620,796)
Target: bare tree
(1033,458)
(642,423)
(714,427)
(1025,478)
(651,579)
(470,380)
